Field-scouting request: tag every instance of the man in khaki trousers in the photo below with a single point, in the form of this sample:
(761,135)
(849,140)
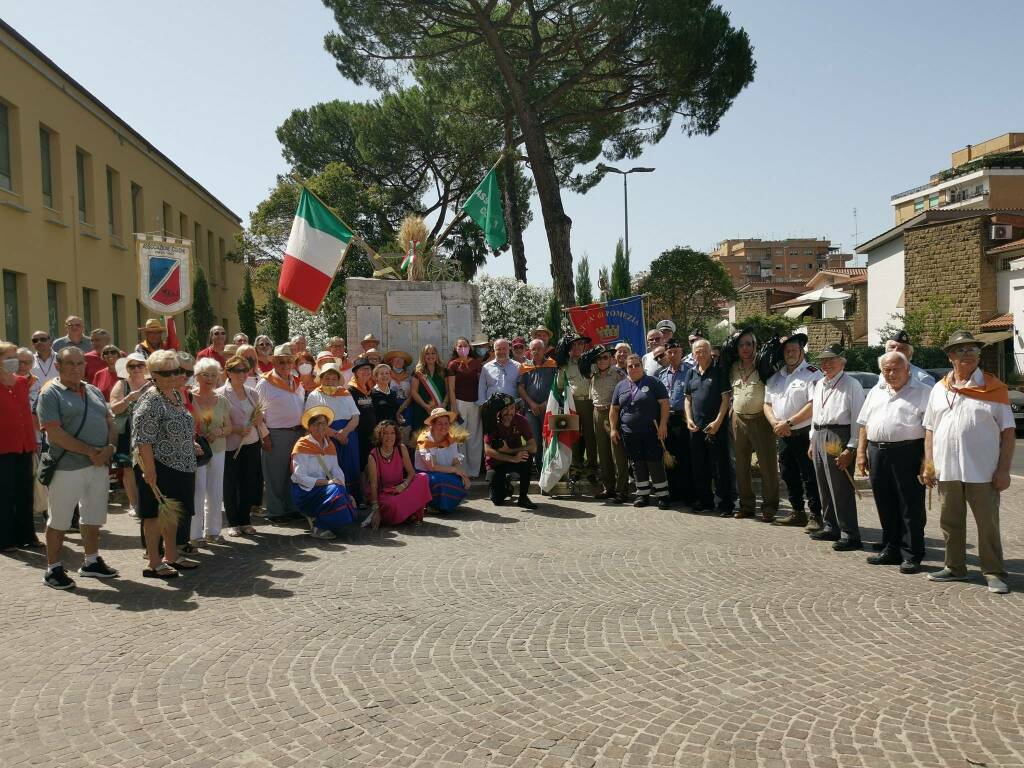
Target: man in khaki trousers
(752,433)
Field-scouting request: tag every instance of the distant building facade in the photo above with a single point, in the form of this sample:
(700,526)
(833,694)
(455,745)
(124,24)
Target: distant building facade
(794,260)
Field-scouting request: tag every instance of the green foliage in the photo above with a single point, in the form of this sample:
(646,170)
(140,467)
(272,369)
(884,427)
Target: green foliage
(247,307)
(603,282)
(863,358)
(554,319)
(275,323)
(929,324)
(200,317)
(584,287)
(687,286)
(994,160)
(766,326)
(509,308)
(620,287)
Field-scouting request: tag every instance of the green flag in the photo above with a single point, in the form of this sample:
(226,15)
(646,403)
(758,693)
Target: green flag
(484,207)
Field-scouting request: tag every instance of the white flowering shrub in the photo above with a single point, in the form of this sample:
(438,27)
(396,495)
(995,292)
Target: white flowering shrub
(509,308)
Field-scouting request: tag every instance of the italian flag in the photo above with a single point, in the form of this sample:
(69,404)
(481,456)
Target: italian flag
(410,256)
(557,456)
(315,248)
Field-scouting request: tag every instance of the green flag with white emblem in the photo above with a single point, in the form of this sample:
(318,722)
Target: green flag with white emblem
(484,207)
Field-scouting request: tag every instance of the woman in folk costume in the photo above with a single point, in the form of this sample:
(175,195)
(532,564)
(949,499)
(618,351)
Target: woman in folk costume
(318,484)
(401,382)
(397,492)
(359,387)
(343,429)
(429,390)
(437,454)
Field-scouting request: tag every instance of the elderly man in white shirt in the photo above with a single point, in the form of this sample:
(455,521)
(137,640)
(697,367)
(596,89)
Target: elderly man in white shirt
(499,375)
(836,401)
(968,450)
(891,451)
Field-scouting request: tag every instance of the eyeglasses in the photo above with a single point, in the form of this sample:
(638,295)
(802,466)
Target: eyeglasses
(219,333)
(168,374)
(135,366)
(965,351)
(264,344)
(238,370)
(40,339)
(108,354)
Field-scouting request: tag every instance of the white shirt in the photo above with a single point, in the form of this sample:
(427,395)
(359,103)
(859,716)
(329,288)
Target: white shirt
(281,409)
(307,469)
(651,366)
(439,457)
(918,374)
(44,371)
(344,406)
(787,393)
(837,402)
(891,417)
(965,433)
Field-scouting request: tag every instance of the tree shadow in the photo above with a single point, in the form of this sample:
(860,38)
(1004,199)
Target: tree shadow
(470,514)
(546,509)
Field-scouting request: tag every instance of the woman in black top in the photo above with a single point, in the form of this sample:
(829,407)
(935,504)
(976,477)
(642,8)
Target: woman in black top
(386,400)
(360,386)
(639,420)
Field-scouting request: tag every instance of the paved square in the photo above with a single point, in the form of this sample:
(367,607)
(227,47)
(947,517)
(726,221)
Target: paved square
(581,634)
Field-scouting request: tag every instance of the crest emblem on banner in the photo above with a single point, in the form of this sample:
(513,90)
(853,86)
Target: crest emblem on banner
(165,273)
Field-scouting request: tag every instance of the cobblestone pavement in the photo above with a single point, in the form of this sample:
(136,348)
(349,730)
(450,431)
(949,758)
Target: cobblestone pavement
(581,634)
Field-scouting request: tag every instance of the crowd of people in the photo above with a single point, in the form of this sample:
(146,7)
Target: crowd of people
(370,438)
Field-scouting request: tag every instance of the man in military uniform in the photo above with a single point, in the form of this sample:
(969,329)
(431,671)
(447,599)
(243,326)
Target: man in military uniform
(787,406)
(604,376)
(582,464)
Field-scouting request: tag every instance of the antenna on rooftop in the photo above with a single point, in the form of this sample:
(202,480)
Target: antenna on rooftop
(856,229)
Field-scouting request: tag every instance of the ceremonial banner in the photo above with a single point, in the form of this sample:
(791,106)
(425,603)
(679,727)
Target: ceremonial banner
(561,431)
(612,322)
(315,247)
(165,273)
(484,207)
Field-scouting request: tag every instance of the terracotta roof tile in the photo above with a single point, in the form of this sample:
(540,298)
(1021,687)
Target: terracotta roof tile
(998,323)
(1011,246)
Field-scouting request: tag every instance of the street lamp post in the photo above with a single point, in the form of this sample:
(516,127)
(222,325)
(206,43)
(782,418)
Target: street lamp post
(625,191)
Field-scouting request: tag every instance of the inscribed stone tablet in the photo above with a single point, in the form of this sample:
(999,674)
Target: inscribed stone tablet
(368,320)
(460,322)
(402,336)
(414,303)
(429,332)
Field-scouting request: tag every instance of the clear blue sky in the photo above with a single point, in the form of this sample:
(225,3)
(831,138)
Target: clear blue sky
(851,103)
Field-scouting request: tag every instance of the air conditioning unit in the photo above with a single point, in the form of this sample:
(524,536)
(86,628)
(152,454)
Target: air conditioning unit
(1001,232)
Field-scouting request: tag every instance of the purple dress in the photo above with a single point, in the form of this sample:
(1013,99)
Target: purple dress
(396,508)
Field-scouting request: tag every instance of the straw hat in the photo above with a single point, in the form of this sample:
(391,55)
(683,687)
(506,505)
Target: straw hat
(330,367)
(406,357)
(283,350)
(437,413)
(370,337)
(152,325)
(312,413)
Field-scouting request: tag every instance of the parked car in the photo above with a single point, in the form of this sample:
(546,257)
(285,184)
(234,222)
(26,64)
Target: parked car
(866,379)
(1016,398)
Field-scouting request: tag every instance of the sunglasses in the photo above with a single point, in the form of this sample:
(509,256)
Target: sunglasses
(238,370)
(135,366)
(965,351)
(168,374)
(40,339)
(264,344)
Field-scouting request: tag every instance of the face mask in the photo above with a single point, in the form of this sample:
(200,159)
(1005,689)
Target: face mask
(329,391)
(463,351)
(11,365)
(305,369)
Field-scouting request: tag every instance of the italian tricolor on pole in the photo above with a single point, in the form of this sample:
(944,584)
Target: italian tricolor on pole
(557,457)
(316,246)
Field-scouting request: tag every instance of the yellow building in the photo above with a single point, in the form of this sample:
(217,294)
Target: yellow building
(76,183)
(989,175)
(795,260)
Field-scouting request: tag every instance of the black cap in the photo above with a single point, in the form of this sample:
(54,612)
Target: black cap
(832,350)
(696,335)
(584,339)
(900,337)
(794,338)
(362,362)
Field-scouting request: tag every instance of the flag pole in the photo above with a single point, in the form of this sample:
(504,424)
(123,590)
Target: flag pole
(462,211)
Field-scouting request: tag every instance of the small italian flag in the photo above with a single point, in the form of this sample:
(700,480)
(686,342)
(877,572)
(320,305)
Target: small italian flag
(557,456)
(315,248)
(410,256)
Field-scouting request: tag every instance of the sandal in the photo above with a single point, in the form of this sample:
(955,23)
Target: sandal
(248,530)
(188,549)
(184,565)
(163,571)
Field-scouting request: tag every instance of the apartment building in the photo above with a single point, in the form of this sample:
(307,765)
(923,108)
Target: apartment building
(989,175)
(76,183)
(794,260)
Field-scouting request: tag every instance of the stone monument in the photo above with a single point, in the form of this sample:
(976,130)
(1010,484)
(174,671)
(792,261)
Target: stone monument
(407,314)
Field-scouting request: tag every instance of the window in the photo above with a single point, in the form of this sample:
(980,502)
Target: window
(46,166)
(197,242)
(83,170)
(778,266)
(53,308)
(222,256)
(113,202)
(89,314)
(165,221)
(211,259)
(138,213)
(5,148)
(919,204)
(810,266)
(182,225)
(933,201)
(117,305)
(11,307)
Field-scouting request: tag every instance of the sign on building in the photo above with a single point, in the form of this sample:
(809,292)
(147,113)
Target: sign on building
(165,273)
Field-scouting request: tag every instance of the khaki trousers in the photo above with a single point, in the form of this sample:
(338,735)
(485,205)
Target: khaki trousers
(585,410)
(611,457)
(752,434)
(983,499)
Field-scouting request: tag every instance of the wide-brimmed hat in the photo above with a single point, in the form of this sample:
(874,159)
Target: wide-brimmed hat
(370,337)
(584,339)
(325,355)
(406,357)
(832,350)
(961,339)
(437,413)
(121,366)
(362,362)
(312,413)
(327,367)
(799,337)
(481,342)
(283,350)
(541,329)
(152,325)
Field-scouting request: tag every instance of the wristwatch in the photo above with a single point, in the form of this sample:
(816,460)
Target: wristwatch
(789,423)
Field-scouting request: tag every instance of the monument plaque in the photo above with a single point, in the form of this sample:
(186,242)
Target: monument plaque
(417,303)
(369,320)
(402,336)
(429,332)
(460,321)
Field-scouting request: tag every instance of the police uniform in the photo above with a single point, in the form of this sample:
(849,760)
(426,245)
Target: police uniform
(787,393)
(677,443)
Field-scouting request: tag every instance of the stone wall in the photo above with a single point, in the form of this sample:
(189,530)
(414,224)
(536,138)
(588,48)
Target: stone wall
(859,315)
(948,260)
(821,333)
(752,303)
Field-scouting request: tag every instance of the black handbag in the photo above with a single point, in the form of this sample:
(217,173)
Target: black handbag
(48,464)
(203,458)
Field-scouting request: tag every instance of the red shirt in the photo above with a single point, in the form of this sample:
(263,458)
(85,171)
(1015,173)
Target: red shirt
(93,364)
(104,381)
(211,352)
(265,367)
(467,377)
(19,433)
(516,434)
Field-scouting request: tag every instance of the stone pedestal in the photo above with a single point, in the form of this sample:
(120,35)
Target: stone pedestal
(407,315)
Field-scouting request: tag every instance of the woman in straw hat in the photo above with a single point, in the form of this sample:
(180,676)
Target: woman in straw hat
(397,492)
(343,429)
(437,454)
(318,484)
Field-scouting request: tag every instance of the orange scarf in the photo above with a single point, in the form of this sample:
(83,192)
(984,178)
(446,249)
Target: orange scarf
(274,380)
(353,383)
(426,442)
(528,367)
(308,445)
(400,379)
(992,389)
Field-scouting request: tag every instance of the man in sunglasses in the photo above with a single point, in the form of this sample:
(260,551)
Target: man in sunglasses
(75,336)
(218,338)
(968,448)
(94,362)
(45,366)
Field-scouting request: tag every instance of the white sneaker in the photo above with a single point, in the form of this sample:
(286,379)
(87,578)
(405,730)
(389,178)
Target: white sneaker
(996,585)
(132,512)
(946,575)
(321,533)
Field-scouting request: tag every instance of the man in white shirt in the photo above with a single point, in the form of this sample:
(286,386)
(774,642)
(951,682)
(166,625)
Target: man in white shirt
(890,450)
(499,375)
(282,397)
(836,405)
(900,342)
(45,366)
(968,449)
(654,340)
(787,406)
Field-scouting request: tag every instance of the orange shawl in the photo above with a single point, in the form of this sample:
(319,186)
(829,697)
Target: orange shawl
(353,383)
(992,389)
(275,380)
(527,367)
(425,441)
(309,446)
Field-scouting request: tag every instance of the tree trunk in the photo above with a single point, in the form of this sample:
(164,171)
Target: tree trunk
(556,223)
(512,212)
